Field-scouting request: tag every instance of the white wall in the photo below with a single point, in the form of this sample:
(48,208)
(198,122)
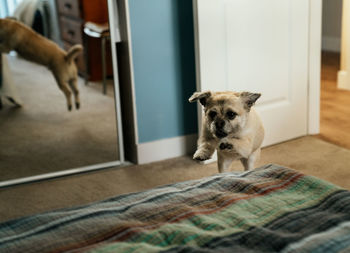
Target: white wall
(331,25)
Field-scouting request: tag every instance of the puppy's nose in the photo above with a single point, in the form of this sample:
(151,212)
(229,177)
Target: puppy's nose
(220,123)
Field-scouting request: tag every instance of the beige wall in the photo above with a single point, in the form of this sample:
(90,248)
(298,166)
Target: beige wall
(331,24)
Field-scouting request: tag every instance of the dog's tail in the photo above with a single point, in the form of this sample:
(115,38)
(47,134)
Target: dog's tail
(73,52)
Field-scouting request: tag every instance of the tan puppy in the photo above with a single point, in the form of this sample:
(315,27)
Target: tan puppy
(231,126)
(36,48)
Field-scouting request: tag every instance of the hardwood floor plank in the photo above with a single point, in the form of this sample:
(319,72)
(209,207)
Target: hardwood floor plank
(335,103)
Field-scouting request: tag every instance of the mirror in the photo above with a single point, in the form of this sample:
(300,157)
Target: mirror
(38,133)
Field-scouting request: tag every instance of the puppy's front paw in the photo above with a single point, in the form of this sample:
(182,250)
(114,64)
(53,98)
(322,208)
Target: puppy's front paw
(200,156)
(225,145)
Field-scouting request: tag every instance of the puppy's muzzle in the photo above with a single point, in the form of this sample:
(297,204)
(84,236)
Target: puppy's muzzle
(219,125)
(220,134)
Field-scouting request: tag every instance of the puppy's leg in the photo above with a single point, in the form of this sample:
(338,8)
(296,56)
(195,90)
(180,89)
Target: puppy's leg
(204,151)
(249,162)
(63,84)
(226,154)
(74,86)
(206,144)
(224,162)
(4,48)
(64,87)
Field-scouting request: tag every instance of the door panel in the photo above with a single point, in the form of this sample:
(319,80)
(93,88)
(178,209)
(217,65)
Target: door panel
(259,46)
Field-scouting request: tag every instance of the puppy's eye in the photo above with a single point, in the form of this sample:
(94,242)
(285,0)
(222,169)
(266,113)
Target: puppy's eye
(212,114)
(231,115)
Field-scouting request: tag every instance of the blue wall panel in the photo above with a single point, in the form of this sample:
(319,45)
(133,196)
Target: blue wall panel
(164,67)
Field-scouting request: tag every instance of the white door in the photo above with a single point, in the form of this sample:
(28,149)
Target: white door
(258,46)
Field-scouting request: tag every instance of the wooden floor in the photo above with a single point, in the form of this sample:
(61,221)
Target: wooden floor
(335,103)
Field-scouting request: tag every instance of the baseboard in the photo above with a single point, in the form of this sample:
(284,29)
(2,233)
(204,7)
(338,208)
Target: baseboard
(166,148)
(343,82)
(331,44)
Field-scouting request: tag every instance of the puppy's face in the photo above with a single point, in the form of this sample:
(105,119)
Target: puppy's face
(226,113)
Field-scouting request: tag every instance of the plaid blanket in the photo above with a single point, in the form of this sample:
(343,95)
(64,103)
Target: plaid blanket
(270,209)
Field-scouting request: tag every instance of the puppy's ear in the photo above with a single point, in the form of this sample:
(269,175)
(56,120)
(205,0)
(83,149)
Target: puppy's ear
(73,52)
(202,96)
(249,99)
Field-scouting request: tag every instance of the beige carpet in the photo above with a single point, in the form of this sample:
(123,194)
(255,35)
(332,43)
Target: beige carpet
(43,136)
(309,155)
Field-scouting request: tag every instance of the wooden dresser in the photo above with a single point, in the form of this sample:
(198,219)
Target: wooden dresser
(72,15)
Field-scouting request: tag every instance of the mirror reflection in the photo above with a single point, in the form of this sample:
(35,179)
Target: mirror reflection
(56,87)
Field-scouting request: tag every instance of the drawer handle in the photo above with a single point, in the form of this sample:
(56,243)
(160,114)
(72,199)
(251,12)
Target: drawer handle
(68,5)
(71,33)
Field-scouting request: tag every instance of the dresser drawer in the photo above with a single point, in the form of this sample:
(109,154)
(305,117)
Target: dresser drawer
(71,30)
(69,8)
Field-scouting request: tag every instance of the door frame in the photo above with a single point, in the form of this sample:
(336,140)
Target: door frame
(314,64)
(114,28)
(314,86)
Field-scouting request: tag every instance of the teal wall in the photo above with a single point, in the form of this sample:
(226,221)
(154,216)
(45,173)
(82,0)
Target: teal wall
(164,67)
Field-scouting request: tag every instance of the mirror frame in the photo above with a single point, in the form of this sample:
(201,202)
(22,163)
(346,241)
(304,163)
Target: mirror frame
(113,17)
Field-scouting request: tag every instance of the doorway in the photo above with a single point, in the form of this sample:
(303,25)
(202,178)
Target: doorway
(335,102)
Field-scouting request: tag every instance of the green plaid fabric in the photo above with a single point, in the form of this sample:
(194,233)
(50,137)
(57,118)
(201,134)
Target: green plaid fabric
(270,209)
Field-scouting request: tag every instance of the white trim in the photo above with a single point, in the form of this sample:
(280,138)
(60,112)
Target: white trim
(127,10)
(342,81)
(197,59)
(59,174)
(314,87)
(331,44)
(167,148)
(115,37)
